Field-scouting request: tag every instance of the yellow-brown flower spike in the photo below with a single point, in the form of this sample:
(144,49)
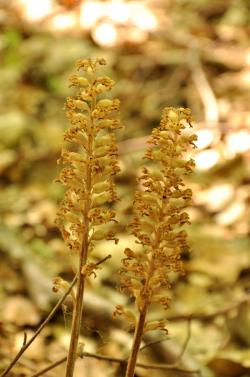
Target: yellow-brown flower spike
(159,214)
(90,162)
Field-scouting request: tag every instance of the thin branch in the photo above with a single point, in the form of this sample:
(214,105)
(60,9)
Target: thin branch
(185,344)
(141,365)
(26,364)
(26,343)
(103,260)
(203,317)
(24,339)
(117,361)
(135,144)
(50,367)
(204,89)
(149,344)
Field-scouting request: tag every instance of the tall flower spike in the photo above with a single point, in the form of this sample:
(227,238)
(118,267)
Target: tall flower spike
(158,217)
(90,162)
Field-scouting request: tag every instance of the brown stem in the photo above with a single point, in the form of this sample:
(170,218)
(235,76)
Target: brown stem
(77,316)
(136,343)
(78,308)
(143,312)
(26,343)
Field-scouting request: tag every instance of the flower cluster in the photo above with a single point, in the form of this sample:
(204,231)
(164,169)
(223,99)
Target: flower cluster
(90,160)
(159,215)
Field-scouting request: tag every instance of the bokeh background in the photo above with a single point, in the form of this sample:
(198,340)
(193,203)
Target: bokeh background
(190,53)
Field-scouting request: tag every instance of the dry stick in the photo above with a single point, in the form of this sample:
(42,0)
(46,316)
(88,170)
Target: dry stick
(50,367)
(44,323)
(117,361)
(141,365)
(135,144)
(203,317)
(205,90)
(184,347)
(25,364)
(153,342)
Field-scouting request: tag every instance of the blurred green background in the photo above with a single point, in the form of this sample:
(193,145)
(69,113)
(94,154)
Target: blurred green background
(161,53)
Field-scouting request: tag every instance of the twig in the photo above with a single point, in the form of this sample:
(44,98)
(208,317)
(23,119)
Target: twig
(135,144)
(50,367)
(207,317)
(205,90)
(141,365)
(184,347)
(149,344)
(26,343)
(26,364)
(117,361)
(103,260)
(24,339)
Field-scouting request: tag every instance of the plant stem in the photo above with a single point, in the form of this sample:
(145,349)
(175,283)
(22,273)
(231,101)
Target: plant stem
(130,371)
(136,343)
(77,316)
(78,308)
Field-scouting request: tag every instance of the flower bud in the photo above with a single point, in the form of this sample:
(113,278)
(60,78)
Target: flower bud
(154,325)
(173,116)
(100,88)
(101,199)
(79,81)
(80,105)
(99,235)
(105,103)
(102,151)
(100,187)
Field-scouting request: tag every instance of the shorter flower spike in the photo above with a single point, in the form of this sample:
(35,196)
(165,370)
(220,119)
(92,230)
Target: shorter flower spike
(159,215)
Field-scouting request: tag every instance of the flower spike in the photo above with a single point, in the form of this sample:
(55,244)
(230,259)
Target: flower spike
(90,161)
